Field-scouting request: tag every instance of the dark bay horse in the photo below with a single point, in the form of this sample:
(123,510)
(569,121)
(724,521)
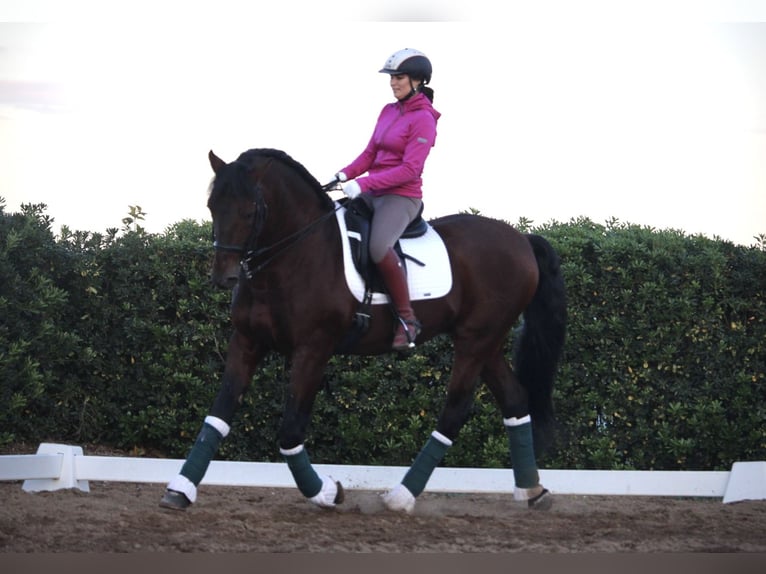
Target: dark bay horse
(278,245)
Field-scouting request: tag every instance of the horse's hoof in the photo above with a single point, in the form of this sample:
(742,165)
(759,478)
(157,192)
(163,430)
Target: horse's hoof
(330,495)
(175,500)
(340,496)
(542,501)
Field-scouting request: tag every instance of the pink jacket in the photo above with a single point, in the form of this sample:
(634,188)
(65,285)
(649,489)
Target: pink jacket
(397,151)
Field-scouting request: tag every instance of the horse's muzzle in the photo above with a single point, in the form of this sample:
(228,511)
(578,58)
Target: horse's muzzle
(225,269)
(224,281)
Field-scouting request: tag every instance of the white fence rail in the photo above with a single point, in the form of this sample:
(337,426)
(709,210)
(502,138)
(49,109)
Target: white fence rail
(58,466)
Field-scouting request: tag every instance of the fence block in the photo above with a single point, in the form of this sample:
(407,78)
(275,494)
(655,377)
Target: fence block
(66,478)
(747,481)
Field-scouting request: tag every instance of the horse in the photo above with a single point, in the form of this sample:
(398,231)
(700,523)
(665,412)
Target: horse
(278,247)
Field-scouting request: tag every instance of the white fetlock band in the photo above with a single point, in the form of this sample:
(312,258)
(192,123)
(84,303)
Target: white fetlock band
(218,424)
(517,422)
(181,484)
(325,498)
(400,499)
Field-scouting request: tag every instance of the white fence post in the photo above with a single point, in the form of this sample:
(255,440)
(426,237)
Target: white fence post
(747,481)
(66,478)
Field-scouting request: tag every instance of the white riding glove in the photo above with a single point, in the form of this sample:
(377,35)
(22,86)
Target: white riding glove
(340,176)
(352,189)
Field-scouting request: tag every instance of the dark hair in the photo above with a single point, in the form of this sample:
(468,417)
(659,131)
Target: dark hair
(428,91)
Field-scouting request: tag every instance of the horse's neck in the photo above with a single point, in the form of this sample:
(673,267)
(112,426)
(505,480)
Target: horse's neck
(292,205)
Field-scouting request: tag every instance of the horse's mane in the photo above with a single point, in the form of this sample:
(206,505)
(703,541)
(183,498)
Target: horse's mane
(248,158)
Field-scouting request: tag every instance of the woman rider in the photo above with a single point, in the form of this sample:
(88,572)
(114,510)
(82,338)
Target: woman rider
(393,161)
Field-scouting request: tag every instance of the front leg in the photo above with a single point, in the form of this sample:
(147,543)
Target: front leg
(241,361)
(305,381)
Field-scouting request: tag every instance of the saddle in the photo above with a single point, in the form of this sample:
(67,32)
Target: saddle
(358,218)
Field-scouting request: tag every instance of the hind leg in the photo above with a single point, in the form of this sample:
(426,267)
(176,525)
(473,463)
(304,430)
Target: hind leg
(460,392)
(512,398)
(305,380)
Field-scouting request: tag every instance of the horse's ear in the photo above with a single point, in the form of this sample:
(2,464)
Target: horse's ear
(215,162)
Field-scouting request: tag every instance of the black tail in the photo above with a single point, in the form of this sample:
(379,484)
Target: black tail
(539,345)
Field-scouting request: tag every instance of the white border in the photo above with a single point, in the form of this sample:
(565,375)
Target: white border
(45,471)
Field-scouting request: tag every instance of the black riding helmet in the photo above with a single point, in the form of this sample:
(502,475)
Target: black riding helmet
(414,63)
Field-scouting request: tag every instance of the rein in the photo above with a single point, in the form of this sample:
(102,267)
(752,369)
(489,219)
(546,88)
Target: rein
(250,252)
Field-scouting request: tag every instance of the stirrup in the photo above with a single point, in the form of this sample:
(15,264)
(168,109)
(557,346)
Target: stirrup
(406,324)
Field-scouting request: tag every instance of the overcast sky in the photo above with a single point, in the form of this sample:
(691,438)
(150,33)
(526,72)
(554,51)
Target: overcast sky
(652,113)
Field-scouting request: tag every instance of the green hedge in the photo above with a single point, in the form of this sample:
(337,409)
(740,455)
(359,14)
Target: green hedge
(117,338)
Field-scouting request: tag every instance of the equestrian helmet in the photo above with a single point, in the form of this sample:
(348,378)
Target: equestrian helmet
(412,62)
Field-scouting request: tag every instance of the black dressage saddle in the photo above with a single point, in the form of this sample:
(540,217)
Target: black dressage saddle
(358,218)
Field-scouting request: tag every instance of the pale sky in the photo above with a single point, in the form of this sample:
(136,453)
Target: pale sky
(653,113)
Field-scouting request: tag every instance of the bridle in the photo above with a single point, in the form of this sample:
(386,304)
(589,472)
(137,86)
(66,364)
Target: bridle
(251,252)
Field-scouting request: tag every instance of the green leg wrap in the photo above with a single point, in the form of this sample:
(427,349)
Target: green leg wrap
(522,452)
(203,451)
(427,460)
(305,476)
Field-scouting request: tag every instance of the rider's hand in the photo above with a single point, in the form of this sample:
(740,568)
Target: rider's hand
(352,189)
(340,176)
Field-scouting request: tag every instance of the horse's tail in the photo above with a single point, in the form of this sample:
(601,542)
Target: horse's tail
(539,344)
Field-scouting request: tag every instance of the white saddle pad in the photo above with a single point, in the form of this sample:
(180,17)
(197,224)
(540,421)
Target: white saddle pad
(428,282)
